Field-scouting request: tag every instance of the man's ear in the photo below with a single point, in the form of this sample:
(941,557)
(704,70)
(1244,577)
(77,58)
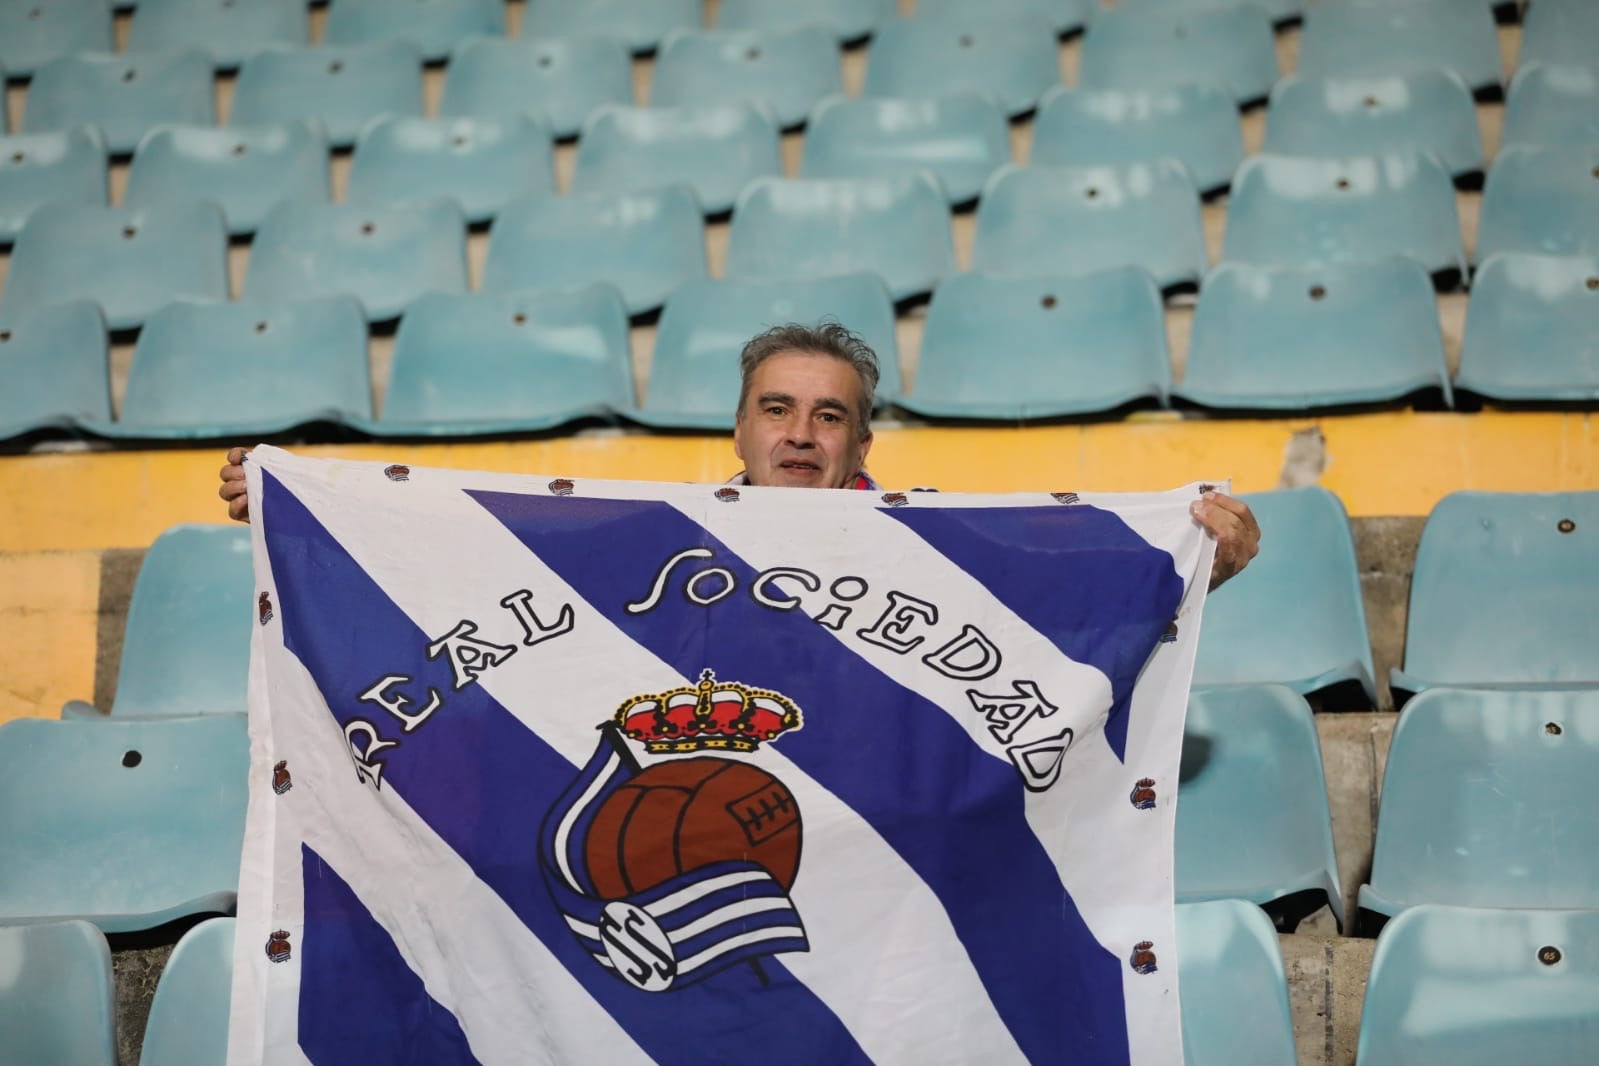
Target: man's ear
(866,446)
(738,443)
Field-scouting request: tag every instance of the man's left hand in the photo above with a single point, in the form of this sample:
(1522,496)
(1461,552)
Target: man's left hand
(1237,533)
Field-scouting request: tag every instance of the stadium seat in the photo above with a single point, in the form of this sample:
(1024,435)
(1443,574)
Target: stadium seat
(480,163)
(791,230)
(787,70)
(694,381)
(1064,16)
(1010,60)
(434,26)
(123,95)
(1043,220)
(126,824)
(245,370)
(644,243)
(54,368)
(508,363)
(57,1002)
(228,31)
(1424,110)
(715,149)
(641,25)
(1029,348)
(1232,985)
(244,169)
(1252,820)
(32,34)
(1294,211)
(1532,329)
(1530,556)
(1482,987)
(1482,802)
(1163,49)
(960,139)
(1559,31)
(344,87)
(1345,39)
(557,82)
(848,20)
(1329,335)
(1541,200)
(39,167)
(188,1023)
(132,261)
(1294,618)
(1553,105)
(1194,124)
(1278,10)
(385,256)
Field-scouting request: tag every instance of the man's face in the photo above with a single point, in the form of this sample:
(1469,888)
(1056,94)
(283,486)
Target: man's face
(799,426)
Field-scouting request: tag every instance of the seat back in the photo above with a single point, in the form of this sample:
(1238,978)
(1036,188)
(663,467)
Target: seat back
(1532,329)
(1063,16)
(1355,38)
(344,87)
(229,33)
(641,25)
(188,1023)
(1559,31)
(33,34)
(1541,200)
(1011,59)
(435,27)
(849,20)
(54,368)
(38,167)
(56,994)
(1279,10)
(1233,988)
(480,163)
(1553,105)
(961,139)
(125,96)
(788,71)
(557,81)
(1127,49)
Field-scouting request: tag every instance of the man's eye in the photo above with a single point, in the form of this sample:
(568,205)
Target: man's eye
(828,416)
(774,409)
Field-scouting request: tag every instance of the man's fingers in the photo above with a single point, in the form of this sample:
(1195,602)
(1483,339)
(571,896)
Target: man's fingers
(236,455)
(239,509)
(232,490)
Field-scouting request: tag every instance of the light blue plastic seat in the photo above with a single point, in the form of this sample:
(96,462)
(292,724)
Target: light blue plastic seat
(242,369)
(1047,347)
(1348,38)
(1278,10)
(1295,211)
(1483,802)
(244,169)
(1012,60)
(848,20)
(1553,105)
(1541,200)
(32,34)
(229,31)
(641,25)
(1423,111)
(1293,338)
(1064,16)
(896,228)
(384,255)
(1162,49)
(54,368)
(1530,555)
(508,362)
(715,149)
(125,96)
(644,243)
(480,163)
(1478,987)
(36,168)
(1232,985)
(343,87)
(1194,124)
(558,82)
(188,1023)
(1532,329)
(1294,617)
(694,379)
(57,1000)
(1042,220)
(786,70)
(1252,816)
(1559,31)
(434,26)
(126,824)
(131,261)
(960,139)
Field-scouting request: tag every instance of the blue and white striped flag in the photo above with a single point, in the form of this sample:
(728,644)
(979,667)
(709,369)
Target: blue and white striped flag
(566,771)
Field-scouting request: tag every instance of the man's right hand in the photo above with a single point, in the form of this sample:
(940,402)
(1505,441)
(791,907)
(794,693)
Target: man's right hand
(233,489)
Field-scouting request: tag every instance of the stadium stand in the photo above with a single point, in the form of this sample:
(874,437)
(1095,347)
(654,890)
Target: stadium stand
(1362,38)
(1553,105)
(31,35)
(343,87)
(1126,49)
(188,1023)
(641,24)
(849,20)
(1234,992)
(1532,329)
(480,163)
(54,368)
(123,96)
(788,71)
(558,81)
(56,999)
(1011,61)
(1541,200)
(229,33)
(69,166)
(434,26)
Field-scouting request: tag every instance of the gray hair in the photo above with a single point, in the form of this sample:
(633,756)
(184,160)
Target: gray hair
(825,338)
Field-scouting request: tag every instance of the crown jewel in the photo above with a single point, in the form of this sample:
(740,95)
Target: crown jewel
(710,716)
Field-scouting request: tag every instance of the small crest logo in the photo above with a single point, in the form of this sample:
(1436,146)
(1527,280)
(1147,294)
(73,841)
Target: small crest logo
(1170,636)
(562,486)
(1142,959)
(1143,794)
(397,472)
(263,607)
(727,494)
(1206,487)
(895,499)
(277,946)
(1064,497)
(281,782)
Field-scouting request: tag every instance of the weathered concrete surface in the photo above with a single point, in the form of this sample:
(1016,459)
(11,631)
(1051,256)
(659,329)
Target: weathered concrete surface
(1326,990)
(1385,552)
(136,971)
(1354,748)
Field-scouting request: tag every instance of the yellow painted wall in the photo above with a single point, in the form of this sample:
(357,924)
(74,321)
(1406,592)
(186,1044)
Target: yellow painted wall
(49,610)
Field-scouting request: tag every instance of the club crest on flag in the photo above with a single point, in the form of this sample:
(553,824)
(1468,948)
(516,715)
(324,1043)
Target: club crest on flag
(1142,796)
(896,499)
(562,486)
(727,495)
(263,607)
(1142,959)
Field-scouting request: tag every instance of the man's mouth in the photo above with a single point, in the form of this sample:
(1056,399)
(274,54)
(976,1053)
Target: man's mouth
(798,464)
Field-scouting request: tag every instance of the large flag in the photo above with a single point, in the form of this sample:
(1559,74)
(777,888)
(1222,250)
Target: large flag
(548,770)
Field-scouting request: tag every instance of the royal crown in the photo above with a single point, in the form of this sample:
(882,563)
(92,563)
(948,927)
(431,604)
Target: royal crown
(710,716)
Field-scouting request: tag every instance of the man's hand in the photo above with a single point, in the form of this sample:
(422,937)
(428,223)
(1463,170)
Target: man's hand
(1233,525)
(233,489)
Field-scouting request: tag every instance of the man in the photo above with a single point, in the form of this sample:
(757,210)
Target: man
(805,421)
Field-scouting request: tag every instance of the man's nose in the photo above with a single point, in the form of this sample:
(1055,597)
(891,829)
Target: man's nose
(798,434)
